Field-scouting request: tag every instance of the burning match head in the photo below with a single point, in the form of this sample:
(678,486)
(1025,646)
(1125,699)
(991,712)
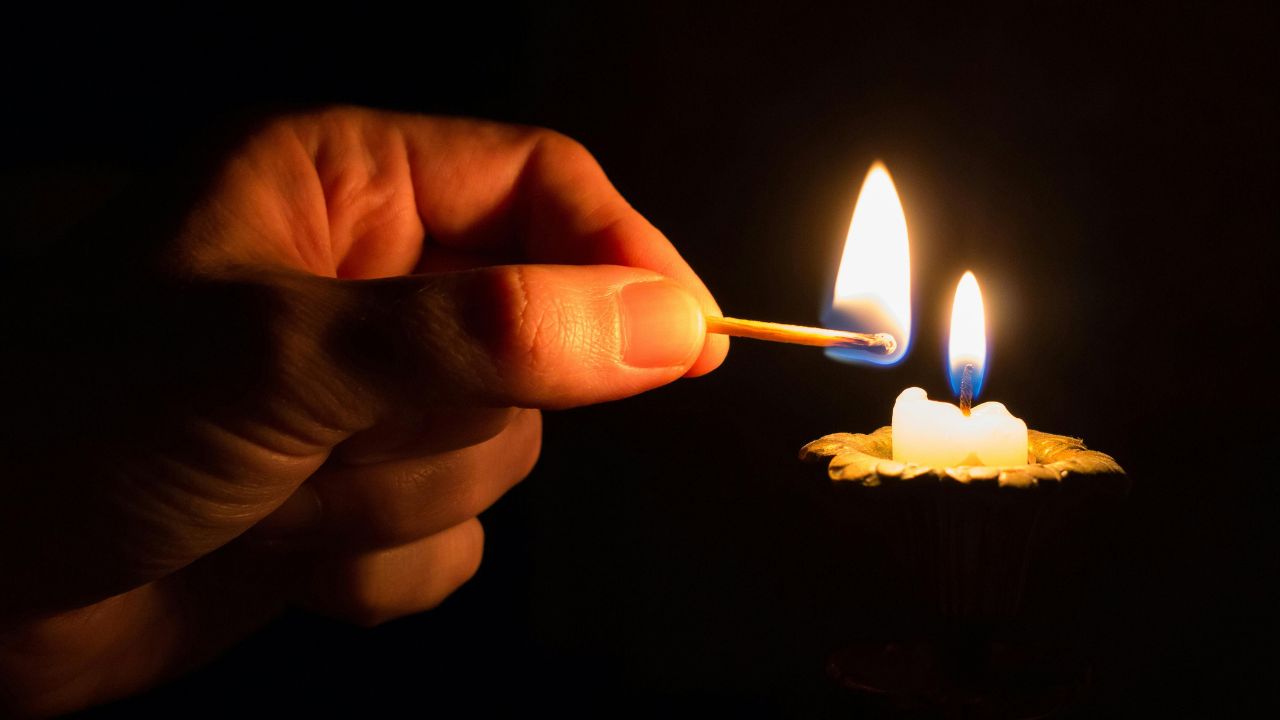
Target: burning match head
(881,343)
(887,343)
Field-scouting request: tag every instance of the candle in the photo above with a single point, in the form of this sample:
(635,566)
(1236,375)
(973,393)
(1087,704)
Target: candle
(939,434)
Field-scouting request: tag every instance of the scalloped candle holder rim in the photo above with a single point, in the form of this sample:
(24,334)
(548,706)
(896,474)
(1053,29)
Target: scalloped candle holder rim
(867,459)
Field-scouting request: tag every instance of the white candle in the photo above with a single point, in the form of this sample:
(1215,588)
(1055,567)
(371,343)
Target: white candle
(937,434)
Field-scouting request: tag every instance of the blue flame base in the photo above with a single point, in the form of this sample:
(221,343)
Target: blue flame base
(856,356)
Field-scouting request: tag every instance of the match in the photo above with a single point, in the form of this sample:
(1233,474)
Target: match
(801,335)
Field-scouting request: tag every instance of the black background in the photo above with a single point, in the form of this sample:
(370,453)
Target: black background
(1109,174)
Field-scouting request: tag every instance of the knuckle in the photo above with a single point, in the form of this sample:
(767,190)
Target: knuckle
(521,325)
(558,145)
(544,329)
(552,150)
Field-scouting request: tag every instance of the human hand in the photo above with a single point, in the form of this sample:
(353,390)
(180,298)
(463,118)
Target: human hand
(306,390)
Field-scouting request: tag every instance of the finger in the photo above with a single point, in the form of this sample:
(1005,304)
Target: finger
(374,587)
(393,503)
(353,193)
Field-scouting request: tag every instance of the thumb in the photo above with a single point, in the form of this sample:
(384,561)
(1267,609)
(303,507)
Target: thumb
(544,336)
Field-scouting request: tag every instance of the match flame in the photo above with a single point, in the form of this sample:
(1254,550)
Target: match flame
(872,293)
(968,343)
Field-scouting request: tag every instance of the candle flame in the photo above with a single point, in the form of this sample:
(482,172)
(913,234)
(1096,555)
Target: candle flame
(872,291)
(968,343)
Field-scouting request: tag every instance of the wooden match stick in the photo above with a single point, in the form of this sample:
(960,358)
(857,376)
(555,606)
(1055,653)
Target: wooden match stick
(801,335)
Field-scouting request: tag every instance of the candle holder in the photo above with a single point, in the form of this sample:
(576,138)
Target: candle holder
(963,540)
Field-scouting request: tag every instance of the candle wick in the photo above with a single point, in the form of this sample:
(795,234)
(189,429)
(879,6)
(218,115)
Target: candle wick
(966,389)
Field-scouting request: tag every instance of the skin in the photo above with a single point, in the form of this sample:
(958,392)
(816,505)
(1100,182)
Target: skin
(303,388)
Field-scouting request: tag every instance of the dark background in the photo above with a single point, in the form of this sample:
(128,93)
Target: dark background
(1109,174)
